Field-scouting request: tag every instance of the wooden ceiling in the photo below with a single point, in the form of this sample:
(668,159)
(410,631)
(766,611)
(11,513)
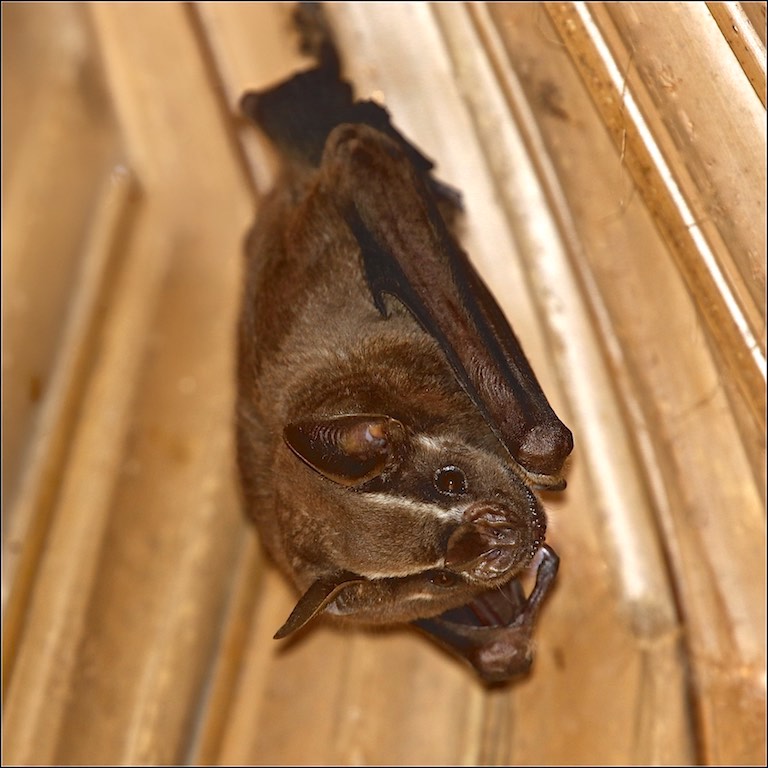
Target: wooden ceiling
(612,159)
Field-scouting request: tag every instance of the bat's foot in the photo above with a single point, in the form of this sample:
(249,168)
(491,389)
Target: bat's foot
(494,632)
(315,35)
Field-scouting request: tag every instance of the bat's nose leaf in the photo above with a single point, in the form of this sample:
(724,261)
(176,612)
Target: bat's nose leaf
(485,552)
(491,542)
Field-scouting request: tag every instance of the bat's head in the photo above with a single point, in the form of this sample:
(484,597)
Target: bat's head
(396,524)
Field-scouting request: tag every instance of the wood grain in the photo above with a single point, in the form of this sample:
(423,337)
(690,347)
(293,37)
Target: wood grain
(139,610)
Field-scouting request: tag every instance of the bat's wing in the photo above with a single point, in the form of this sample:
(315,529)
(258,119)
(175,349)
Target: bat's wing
(384,189)
(409,252)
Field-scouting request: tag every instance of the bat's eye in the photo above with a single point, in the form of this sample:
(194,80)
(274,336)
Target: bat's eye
(450,481)
(442,578)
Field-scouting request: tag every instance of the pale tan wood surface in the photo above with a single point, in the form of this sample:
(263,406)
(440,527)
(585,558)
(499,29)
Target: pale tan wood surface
(612,160)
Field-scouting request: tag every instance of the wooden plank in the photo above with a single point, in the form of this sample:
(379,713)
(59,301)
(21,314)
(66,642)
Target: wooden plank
(56,616)
(57,121)
(743,26)
(47,454)
(175,529)
(698,101)
(689,440)
(121,626)
(732,324)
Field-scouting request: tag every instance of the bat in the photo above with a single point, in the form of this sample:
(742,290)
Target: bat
(390,430)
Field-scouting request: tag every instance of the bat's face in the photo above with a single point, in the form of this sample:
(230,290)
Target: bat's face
(399,524)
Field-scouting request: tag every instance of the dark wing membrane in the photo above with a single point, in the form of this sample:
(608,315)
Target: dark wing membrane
(408,252)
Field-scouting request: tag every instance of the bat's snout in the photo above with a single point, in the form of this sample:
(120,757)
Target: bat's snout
(495,540)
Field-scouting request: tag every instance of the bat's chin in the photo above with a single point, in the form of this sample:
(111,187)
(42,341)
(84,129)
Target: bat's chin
(497,566)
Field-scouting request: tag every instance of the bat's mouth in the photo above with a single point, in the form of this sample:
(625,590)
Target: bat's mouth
(497,607)
(505,604)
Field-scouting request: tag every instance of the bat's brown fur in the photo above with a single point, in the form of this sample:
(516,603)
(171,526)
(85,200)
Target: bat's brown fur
(368,458)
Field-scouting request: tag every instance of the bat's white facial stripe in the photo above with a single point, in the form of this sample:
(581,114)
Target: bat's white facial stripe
(336,607)
(419,509)
(395,573)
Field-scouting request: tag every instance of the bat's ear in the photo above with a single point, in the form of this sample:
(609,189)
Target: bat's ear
(317,597)
(349,449)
